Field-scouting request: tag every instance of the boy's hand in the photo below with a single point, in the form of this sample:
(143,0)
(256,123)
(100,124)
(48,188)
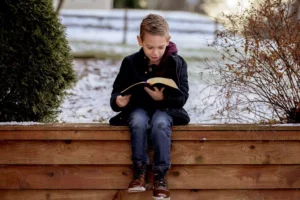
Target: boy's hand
(156,94)
(122,101)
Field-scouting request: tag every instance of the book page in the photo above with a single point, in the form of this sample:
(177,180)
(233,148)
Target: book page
(133,85)
(161,80)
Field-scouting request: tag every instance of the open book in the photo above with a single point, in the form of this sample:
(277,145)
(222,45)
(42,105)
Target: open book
(159,82)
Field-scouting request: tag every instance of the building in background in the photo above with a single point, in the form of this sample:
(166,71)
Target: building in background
(85,4)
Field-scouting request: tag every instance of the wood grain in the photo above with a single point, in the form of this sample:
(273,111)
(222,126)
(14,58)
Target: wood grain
(124,195)
(92,161)
(119,152)
(179,177)
(189,127)
(112,134)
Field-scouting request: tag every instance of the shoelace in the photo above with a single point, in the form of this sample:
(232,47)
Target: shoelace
(140,173)
(160,181)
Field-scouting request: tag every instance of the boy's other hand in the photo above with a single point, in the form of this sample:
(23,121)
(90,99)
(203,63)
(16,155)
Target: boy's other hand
(156,94)
(122,101)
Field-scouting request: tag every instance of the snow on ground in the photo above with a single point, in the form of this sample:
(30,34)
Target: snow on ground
(19,123)
(88,101)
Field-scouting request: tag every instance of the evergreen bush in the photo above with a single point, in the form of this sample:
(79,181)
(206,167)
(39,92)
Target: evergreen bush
(35,61)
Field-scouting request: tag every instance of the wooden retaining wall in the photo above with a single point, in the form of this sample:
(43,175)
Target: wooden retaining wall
(92,162)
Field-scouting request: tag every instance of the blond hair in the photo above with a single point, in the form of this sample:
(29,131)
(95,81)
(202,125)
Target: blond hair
(154,24)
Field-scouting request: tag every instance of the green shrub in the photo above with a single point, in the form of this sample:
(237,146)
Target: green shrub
(35,61)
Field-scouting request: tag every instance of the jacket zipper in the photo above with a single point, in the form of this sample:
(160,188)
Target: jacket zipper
(176,71)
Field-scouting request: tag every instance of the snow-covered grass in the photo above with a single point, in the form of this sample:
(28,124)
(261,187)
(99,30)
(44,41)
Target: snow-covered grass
(88,101)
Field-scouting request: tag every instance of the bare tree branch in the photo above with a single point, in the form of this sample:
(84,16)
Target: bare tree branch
(260,68)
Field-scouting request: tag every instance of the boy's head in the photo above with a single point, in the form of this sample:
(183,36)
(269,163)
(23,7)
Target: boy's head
(154,25)
(154,37)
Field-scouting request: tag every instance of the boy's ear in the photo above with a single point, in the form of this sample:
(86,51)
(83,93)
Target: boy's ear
(139,40)
(168,39)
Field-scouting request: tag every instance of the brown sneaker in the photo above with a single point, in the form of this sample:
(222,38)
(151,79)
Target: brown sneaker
(138,183)
(160,189)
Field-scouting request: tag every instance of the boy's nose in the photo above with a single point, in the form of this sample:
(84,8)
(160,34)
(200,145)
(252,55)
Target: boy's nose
(155,52)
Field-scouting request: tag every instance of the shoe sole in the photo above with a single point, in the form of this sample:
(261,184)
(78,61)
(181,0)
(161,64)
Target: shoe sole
(136,189)
(161,198)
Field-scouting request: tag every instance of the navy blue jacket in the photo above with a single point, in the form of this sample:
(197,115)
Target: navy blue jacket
(134,68)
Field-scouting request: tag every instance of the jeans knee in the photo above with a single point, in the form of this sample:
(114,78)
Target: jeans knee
(138,120)
(161,125)
(160,129)
(138,123)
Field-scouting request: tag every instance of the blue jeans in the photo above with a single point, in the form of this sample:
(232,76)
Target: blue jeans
(158,125)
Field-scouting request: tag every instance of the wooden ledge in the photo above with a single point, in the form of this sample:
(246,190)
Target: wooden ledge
(192,132)
(190,127)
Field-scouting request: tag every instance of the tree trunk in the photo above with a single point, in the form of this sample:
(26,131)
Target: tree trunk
(60,3)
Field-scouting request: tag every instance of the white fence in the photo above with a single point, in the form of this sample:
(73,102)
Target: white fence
(124,22)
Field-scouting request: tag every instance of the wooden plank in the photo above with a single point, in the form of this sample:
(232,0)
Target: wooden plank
(119,152)
(239,135)
(58,194)
(65,135)
(217,195)
(124,195)
(124,135)
(190,127)
(65,152)
(235,152)
(180,177)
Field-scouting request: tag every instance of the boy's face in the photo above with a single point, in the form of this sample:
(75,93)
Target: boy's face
(154,46)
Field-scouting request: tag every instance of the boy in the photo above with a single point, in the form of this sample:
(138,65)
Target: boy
(151,112)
